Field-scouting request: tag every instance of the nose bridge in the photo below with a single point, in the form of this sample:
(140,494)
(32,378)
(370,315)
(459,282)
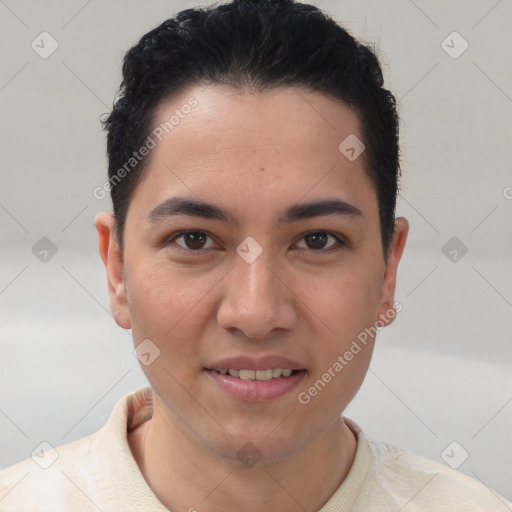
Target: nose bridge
(253,282)
(255,301)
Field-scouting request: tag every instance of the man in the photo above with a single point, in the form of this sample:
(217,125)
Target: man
(253,168)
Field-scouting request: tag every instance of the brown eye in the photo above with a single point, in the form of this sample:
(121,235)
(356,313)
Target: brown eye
(318,240)
(192,240)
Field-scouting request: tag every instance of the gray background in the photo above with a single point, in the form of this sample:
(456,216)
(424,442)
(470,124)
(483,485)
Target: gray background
(440,373)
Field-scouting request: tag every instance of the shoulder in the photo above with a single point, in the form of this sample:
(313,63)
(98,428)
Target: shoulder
(47,476)
(421,484)
(385,477)
(97,472)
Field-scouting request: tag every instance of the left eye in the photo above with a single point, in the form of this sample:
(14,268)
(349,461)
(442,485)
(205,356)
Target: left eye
(317,241)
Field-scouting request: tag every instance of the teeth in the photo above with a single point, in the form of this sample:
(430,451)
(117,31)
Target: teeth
(246,374)
(263,374)
(274,373)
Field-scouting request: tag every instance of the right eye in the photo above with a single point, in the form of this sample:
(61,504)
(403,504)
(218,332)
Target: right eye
(193,240)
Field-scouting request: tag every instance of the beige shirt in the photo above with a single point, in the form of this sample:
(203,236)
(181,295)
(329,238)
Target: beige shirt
(99,473)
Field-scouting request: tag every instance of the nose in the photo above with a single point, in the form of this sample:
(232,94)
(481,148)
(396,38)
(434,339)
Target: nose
(257,299)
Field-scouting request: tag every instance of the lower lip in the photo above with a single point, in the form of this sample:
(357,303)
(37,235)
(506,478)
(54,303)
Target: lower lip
(256,390)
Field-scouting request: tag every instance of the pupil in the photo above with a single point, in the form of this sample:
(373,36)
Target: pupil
(319,240)
(195,240)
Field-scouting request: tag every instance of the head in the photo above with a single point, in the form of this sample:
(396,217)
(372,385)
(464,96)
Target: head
(231,125)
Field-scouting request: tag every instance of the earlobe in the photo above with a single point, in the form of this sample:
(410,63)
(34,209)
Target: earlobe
(111,256)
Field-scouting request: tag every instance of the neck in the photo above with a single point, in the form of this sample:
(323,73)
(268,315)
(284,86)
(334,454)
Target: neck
(187,476)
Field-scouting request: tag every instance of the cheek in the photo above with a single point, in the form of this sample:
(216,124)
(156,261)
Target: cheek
(151,293)
(169,306)
(158,298)
(345,302)
(346,306)
(161,309)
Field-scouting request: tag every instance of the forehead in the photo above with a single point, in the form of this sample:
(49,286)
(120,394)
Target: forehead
(282,116)
(220,142)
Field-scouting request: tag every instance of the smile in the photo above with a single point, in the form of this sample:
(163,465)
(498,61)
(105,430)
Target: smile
(256,385)
(274,373)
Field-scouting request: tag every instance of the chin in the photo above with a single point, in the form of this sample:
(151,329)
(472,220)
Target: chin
(266,443)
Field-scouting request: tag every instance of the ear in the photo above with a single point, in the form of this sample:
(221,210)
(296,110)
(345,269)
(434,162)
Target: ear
(110,253)
(395,250)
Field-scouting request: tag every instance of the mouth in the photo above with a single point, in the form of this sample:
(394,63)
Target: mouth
(256,385)
(262,375)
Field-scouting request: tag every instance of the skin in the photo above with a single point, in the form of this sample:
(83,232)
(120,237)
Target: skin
(254,154)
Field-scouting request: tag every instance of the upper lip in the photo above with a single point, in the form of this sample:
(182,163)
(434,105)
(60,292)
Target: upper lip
(251,363)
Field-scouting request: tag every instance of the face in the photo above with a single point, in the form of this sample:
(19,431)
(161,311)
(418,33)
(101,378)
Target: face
(253,280)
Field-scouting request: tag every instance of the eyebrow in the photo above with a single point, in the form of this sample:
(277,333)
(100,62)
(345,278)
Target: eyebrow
(191,207)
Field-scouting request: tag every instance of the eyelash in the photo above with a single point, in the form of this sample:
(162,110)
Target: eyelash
(342,244)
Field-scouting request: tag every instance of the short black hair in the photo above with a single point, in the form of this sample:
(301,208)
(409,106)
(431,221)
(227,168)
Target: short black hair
(253,45)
